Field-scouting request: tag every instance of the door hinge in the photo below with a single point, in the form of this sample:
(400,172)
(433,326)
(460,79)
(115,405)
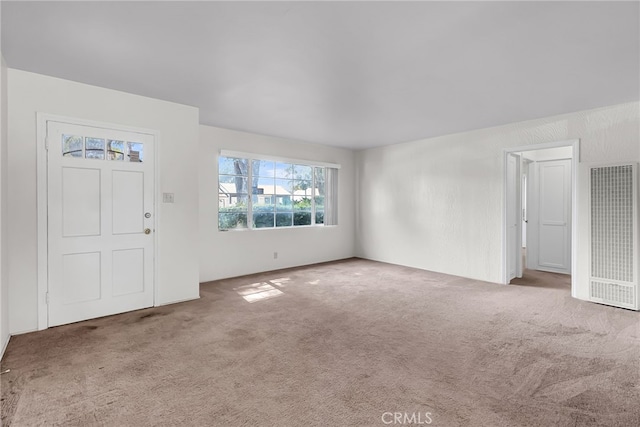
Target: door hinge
(46,143)
(46,298)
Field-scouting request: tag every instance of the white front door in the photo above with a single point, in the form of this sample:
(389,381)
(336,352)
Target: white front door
(100,221)
(514,218)
(550,224)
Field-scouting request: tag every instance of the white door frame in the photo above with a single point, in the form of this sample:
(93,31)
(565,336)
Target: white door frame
(525,198)
(42,202)
(518,208)
(575,160)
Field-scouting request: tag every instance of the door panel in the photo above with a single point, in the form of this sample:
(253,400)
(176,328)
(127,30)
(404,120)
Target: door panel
(81,277)
(128,202)
(100,186)
(552,248)
(553,217)
(552,206)
(80,202)
(128,271)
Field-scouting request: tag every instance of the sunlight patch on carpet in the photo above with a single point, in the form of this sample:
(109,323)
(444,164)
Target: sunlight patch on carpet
(280,282)
(257,291)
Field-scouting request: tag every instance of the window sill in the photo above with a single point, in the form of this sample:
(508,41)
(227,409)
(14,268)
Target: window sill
(296,227)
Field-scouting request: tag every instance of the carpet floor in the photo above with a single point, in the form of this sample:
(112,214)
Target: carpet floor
(348,343)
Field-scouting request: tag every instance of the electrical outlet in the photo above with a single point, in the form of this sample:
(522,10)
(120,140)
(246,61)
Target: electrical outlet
(167,197)
(275,255)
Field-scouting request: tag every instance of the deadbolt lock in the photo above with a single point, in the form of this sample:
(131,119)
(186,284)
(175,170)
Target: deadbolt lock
(147,215)
(147,231)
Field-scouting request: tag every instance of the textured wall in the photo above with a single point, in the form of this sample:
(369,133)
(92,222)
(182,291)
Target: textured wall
(234,253)
(178,223)
(437,203)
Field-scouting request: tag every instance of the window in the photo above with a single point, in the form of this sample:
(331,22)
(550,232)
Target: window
(94,148)
(259,193)
(232,193)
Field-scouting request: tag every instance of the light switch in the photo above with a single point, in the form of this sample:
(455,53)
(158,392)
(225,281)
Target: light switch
(167,197)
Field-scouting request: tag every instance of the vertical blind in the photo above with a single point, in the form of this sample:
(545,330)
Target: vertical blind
(331,197)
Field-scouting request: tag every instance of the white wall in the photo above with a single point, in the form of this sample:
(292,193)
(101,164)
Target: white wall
(178,223)
(4,282)
(437,203)
(239,252)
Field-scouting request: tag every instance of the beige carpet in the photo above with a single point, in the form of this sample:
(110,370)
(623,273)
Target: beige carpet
(343,344)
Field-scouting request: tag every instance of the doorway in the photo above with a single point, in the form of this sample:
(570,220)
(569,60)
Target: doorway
(99,184)
(548,210)
(539,209)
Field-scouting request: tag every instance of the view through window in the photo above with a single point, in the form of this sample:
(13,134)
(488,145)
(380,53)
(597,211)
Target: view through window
(257,193)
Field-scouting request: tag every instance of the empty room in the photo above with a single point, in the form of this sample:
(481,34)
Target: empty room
(319,213)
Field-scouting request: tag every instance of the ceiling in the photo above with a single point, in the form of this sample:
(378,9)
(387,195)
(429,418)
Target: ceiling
(349,74)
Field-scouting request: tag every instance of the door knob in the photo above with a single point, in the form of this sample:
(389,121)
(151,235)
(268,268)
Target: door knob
(147,231)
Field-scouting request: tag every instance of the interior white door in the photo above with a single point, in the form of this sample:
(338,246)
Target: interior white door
(550,235)
(100,222)
(514,208)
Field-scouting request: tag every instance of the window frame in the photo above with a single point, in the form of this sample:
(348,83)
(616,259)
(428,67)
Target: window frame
(250,158)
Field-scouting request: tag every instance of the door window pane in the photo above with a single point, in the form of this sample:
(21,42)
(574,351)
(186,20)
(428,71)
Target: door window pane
(72,146)
(94,148)
(115,150)
(135,152)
